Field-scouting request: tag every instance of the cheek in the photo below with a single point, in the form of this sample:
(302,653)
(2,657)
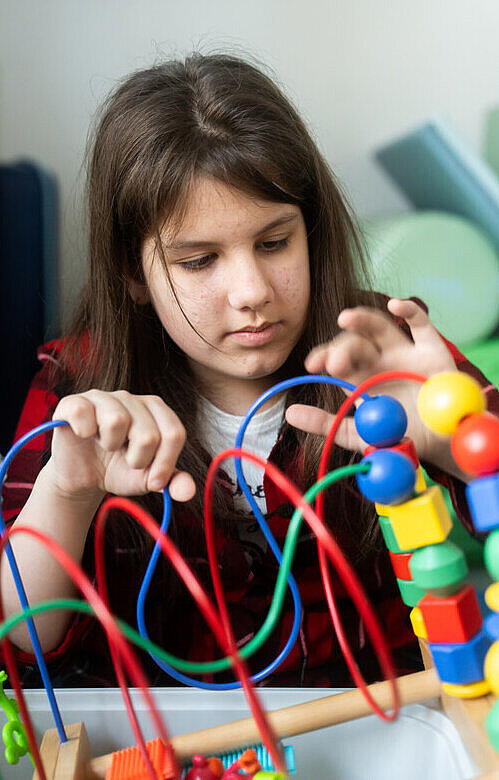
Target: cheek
(295,288)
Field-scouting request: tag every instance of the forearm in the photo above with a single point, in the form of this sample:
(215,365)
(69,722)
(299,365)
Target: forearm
(65,519)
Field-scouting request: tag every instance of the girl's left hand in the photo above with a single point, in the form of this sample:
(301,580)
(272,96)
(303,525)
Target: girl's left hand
(371,342)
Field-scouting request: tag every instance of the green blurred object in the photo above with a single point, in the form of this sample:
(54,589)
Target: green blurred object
(443,259)
(485,355)
(491,151)
(472,548)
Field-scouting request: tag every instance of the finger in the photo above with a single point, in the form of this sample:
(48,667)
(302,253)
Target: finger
(143,433)
(313,420)
(309,418)
(172,439)
(373,325)
(182,486)
(113,419)
(79,412)
(346,357)
(422,329)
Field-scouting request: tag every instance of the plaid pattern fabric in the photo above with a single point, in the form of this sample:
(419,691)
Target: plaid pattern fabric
(83,657)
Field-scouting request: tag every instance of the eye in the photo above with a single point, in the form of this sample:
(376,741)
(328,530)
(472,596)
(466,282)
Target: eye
(274,245)
(198,263)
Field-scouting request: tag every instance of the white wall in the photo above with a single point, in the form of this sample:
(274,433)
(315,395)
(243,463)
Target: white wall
(360,71)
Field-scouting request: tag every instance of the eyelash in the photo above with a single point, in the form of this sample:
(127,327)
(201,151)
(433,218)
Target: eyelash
(202,262)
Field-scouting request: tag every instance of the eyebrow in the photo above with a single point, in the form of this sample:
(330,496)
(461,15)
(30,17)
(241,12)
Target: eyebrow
(284,220)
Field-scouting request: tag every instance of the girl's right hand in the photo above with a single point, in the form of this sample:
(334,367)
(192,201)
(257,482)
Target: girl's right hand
(118,443)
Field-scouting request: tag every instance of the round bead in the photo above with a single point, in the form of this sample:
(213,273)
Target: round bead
(438,566)
(491,626)
(381,421)
(491,554)
(469,691)
(390,479)
(492,725)
(491,596)
(445,398)
(491,667)
(475,444)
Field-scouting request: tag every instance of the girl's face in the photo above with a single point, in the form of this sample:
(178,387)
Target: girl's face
(239,267)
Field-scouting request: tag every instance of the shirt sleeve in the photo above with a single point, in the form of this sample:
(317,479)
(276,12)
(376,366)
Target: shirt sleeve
(39,406)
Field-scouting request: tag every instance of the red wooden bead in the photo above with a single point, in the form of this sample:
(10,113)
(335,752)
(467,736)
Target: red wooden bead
(475,444)
(400,563)
(456,618)
(405,446)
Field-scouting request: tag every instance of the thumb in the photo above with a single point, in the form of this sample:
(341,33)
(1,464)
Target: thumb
(313,420)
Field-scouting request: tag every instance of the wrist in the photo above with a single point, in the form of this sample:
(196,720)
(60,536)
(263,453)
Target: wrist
(86,497)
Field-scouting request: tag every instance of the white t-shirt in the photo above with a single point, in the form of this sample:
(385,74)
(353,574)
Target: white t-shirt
(218,431)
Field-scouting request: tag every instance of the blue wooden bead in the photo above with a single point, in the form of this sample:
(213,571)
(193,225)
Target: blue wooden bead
(483,500)
(390,479)
(461,663)
(381,421)
(491,626)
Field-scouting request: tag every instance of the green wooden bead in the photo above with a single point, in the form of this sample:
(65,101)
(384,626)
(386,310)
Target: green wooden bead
(388,535)
(491,554)
(492,725)
(438,566)
(410,592)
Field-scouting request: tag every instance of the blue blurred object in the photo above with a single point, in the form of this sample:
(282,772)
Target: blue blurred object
(436,169)
(28,281)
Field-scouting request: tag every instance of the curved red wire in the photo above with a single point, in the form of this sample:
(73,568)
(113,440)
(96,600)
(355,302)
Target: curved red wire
(225,638)
(324,568)
(324,537)
(113,633)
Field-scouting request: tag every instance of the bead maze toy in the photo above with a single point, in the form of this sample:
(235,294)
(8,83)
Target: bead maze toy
(461,652)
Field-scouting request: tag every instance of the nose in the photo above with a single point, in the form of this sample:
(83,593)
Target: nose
(249,285)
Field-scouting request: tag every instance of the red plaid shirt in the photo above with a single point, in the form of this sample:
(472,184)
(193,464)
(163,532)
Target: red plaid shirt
(83,657)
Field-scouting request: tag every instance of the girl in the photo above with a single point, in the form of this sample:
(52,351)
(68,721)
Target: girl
(222,259)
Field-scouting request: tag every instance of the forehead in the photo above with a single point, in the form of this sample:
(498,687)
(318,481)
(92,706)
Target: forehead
(213,206)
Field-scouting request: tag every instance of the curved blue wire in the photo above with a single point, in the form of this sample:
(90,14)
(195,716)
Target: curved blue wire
(295,629)
(19,583)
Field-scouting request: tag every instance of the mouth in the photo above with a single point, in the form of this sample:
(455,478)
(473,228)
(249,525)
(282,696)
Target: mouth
(253,329)
(255,336)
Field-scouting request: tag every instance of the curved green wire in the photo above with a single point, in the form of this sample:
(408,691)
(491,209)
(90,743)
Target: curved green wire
(76,605)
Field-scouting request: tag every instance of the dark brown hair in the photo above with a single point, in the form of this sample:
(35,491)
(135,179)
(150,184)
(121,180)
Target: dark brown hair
(221,117)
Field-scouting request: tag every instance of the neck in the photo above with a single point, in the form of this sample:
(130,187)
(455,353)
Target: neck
(237,396)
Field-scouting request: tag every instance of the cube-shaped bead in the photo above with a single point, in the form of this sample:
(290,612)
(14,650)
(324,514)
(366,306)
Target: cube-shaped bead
(483,500)
(400,563)
(461,663)
(410,592)
(405,446)
(388,535)
(417,623)
(420,521)
(453,619)
(438,566)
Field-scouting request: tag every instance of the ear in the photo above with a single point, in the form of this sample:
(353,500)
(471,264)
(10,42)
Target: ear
(139,292)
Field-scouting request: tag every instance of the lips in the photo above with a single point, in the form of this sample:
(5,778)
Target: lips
(253,329)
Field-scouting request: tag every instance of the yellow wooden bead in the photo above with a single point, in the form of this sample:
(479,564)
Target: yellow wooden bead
(420,485)
(470,691)
(417,623)
(445,398)
(491,667)
(492,597)
(421,521)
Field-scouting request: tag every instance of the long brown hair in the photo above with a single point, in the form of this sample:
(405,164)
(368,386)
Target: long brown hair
(222,117)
